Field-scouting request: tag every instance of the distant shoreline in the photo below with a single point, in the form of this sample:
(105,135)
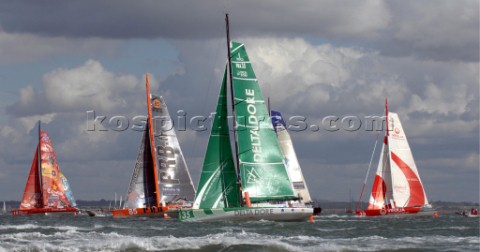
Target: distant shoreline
(327,206)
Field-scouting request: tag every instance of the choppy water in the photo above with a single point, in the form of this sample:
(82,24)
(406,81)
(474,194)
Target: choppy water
(328,233)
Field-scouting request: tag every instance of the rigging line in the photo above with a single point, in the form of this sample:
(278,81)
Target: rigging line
(39,163)
(209,84)
(232,96)
(368,171)
(407,201)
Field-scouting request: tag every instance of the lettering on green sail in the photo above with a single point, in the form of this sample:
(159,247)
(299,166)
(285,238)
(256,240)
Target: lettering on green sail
(253,125)
(241,65)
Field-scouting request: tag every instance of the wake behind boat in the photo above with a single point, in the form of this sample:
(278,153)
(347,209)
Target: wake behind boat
(47,190)
(397,188)
(98,213)
(253,184)
(160,183)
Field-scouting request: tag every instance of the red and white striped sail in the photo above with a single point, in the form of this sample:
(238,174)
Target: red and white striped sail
(382,185)
(397,182)
(408,190)
(397,188)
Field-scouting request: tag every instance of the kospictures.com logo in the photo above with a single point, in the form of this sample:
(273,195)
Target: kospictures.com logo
(182,122)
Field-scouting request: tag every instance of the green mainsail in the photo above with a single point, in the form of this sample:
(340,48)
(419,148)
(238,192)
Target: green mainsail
(217,187)
(262,167)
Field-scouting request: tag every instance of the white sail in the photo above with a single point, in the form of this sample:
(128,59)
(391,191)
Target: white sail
(293,167)
(382,185)
(175,180)
(397,188)
(397,182)
(407,186)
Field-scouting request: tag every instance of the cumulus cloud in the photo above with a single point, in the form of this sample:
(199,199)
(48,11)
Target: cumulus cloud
(309,78)
(30,102)
(437,101)
(62,106)
(86,87)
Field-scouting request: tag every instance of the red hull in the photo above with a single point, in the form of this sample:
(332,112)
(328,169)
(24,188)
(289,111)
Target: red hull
(44,211)
(139,212)
(394,211)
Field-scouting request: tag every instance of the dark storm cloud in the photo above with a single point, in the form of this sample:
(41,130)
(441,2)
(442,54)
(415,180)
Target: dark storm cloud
(107,19)
(439,30)
(184,19)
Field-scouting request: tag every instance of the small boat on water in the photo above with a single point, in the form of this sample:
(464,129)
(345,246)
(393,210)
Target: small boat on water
(252,182)
(472,213)
(397,188)
(47,190)
(161,183)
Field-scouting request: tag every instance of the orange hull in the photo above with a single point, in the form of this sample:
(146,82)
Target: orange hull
(44,211)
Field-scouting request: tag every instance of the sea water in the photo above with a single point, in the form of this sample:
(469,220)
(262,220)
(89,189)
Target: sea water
(328,233)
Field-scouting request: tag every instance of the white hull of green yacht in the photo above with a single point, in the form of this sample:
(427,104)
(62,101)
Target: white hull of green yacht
(246,214)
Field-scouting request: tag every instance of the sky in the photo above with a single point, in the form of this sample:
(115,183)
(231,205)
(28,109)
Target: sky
(313,58)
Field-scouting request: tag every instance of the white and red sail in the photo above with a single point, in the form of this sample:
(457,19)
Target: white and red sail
(397,187)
